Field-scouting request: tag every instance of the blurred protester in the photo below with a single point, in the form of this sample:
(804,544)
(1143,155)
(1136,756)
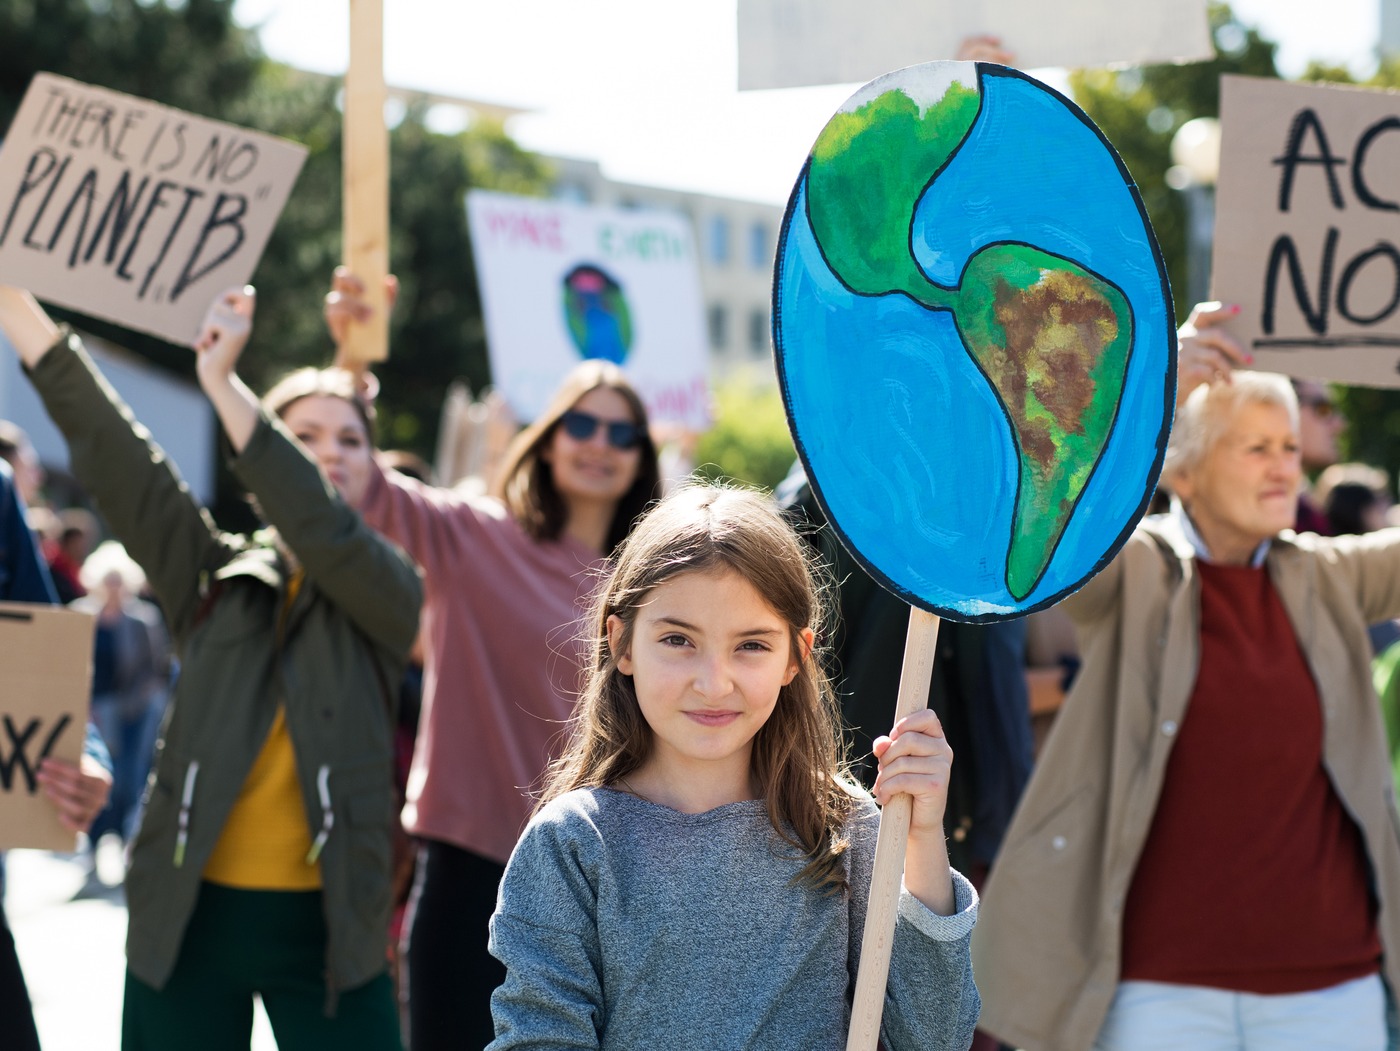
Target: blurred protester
(508,581)
(18,451)
(78,792)
(1355,497)
(1195,861)
(130,678)
(1320,425)
(262,862)
(977,690)
(77,531)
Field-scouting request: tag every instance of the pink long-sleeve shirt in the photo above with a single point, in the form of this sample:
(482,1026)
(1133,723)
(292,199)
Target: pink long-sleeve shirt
(503,616)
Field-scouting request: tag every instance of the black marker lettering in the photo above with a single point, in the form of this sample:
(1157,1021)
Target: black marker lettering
(190,194)
(44,204)
(1315,317)
(189,275)
(1353,268)
(1305,120)
(120,213)
(29,183)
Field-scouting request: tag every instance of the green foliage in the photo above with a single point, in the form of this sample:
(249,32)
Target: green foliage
(749,441)
(190,54)
(1139,110)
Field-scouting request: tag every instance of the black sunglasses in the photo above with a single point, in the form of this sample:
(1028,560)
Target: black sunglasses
(580,426)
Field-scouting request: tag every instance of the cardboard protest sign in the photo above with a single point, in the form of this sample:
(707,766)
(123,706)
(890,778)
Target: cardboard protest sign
(132,211)
(1307,234)
(977,356)
(792,43)
(46,671)
(563,282)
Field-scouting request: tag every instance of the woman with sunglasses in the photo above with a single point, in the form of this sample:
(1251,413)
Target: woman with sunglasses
(508,579)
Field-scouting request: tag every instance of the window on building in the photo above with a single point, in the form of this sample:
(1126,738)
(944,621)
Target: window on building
(760,253)
(758,332)
(718,240)
(718,319)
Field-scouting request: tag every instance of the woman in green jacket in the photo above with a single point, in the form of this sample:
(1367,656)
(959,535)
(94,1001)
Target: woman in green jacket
(262,865)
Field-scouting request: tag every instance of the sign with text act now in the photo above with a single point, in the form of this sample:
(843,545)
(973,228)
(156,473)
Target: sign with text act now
(563,282)
(131,211)
(1307,236)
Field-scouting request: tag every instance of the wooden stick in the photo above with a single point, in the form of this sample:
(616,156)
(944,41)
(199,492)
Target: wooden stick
(878,940)
(365,174)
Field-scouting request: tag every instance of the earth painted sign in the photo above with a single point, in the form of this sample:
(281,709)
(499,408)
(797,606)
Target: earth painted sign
(132,211)
(975,339)
(1307,236)
(564,282)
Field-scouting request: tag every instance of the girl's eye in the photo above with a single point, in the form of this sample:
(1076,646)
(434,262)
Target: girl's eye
(673,640)
(754,646)
(305,437)
(351,441)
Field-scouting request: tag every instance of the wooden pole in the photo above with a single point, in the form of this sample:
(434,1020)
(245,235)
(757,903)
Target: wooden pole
(878,940)
(365,163)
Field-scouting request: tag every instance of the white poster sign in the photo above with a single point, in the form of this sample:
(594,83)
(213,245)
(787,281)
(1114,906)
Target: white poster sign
(132,211)
(564,282)
(794,43)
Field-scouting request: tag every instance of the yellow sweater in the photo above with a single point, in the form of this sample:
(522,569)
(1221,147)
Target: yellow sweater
(266,840)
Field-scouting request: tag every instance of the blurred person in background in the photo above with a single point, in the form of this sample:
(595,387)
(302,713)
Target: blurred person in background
(130,679)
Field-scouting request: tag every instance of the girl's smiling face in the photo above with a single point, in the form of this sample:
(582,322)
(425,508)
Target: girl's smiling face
(707,657)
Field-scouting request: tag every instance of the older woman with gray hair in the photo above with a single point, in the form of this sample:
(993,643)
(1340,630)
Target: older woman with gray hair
(1206,855)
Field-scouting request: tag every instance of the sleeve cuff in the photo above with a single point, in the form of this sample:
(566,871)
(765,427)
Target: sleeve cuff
(942,928)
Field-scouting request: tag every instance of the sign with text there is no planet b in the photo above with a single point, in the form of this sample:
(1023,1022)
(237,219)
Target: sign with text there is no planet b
(1307,236)
(562,282)
(131,211)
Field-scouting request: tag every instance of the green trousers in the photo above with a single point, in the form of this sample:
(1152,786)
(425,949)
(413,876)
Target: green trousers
(270,943)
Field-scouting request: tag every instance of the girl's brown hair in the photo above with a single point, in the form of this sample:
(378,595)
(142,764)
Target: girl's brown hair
(318,383)
(796,760)
(525,481)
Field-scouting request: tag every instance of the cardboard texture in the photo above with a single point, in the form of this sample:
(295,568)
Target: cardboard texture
(1307,233)
(131,211)
(563,282)
(975,340)
(46,669)
(793,43)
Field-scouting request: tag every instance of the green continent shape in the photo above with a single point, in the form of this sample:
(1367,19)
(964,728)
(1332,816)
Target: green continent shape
(868,170)
(1053,339)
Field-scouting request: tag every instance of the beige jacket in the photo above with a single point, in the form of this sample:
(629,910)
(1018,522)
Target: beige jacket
(1046,947)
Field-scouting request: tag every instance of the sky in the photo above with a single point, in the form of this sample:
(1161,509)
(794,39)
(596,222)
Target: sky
(647,87)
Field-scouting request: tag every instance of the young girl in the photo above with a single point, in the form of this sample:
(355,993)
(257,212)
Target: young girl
(698,871)
(262,862)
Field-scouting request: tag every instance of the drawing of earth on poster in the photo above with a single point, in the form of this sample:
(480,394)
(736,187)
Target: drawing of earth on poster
(595,309)
(975,338)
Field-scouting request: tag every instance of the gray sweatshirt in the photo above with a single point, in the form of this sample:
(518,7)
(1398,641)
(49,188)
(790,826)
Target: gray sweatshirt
(627,925)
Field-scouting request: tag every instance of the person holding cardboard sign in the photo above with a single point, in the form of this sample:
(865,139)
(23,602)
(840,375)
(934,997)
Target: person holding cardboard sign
(1207,852)
(698,872)
(262,864)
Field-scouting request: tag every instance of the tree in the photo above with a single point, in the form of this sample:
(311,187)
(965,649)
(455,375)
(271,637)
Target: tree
(749,441)
(1140,109)
(190,54)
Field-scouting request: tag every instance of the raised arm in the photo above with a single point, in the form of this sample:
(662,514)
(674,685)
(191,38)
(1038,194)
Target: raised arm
(139,492)
(221,341)
(357,569)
